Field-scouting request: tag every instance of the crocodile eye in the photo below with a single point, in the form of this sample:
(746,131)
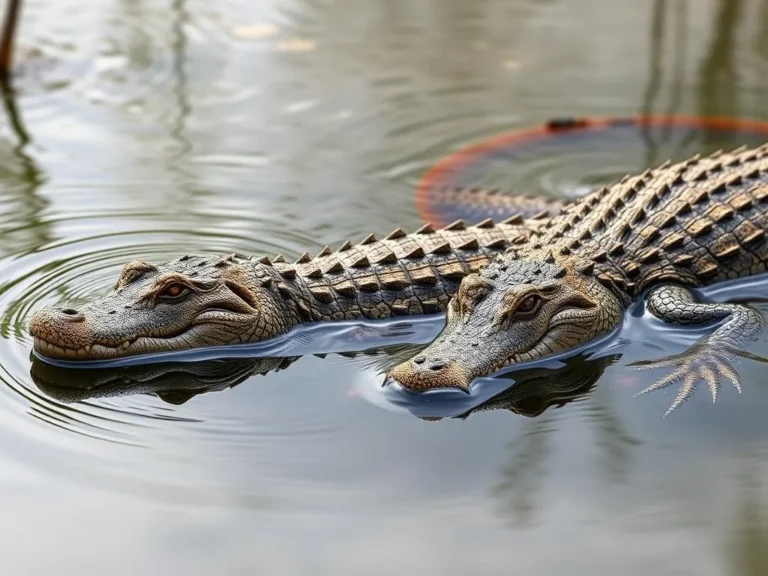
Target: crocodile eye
(476,293)
(529,304)
(173,291)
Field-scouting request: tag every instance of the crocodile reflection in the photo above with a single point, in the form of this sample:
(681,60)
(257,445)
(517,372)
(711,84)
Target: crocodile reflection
(172,382)
(177,382)
(533,391)
(529,393)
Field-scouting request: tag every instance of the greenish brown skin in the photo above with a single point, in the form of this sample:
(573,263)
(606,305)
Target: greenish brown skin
(667,230)
(203,301)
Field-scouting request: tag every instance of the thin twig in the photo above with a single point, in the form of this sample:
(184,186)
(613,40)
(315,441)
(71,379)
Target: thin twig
(9,32)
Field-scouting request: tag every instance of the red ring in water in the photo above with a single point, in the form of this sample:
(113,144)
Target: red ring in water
(457,160)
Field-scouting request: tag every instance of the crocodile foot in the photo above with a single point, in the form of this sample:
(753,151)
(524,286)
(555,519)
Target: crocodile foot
(702,363)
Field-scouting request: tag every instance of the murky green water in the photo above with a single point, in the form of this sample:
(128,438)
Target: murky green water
(147,129)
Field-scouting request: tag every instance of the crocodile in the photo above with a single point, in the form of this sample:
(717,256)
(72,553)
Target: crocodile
(655,236)
(199,301)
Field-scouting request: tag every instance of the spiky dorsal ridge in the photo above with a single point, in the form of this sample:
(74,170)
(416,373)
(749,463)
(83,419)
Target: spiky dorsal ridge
(363,260)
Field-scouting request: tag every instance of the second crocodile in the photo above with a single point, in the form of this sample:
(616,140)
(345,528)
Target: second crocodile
(656,235)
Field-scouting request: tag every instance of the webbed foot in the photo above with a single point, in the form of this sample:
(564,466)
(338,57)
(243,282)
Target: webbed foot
(703,363)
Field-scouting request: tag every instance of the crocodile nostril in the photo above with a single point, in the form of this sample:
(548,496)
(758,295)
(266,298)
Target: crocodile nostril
(419,360)
(437,365)
(70,315)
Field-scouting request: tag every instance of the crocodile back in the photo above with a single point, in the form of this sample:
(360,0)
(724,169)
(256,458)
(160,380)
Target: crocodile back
(696,222)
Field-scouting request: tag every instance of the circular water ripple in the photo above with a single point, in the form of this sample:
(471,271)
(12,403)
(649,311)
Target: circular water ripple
(158,129)
(568,158)
(92,242)
(131,416)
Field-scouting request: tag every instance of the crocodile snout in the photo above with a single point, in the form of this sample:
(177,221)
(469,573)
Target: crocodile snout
(425,372)
(60,332)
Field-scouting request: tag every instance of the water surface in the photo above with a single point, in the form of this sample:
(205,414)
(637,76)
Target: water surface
(147,129)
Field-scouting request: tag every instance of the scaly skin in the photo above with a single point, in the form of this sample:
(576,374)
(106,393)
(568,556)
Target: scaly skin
(678,226)
(198,301)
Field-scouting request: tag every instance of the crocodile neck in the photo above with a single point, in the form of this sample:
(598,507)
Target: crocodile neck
(403,274)
(695,223)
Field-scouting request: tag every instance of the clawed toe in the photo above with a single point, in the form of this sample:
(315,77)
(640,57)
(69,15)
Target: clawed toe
(668,380)
(690,371)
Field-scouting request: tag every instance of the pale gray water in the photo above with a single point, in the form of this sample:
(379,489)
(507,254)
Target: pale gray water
(146,129)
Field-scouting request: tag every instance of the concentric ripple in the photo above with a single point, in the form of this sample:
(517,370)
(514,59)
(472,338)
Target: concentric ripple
(567,158)
(83,248)
(80,260)
(146,129)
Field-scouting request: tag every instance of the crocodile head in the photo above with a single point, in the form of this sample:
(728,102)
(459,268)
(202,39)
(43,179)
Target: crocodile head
(513,311)
(191,302)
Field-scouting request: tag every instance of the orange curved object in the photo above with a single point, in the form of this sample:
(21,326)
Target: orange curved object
(455,161)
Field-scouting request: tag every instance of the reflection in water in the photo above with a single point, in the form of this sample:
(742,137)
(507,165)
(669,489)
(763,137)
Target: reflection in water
(760,42)
(174,383)
(658,43)
(150,129)
(747,545)
(22,225)
(536,390)
(180,83)
(8,35)
(28,176)
(718,77)
(529,392)
(521,478)
(528,453)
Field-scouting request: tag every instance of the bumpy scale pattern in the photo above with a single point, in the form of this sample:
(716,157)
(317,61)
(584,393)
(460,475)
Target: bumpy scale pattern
(490,202)
(676,304)
(398,275)
(693,223)
(696,222)
(402,274)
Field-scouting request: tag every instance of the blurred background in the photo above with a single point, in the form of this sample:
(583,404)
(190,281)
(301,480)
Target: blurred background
(146,128)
